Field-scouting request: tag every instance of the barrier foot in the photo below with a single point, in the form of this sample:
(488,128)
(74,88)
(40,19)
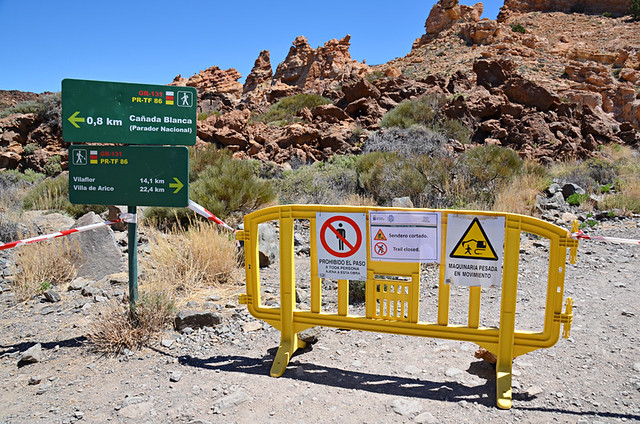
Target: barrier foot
(503,384)
(285,351)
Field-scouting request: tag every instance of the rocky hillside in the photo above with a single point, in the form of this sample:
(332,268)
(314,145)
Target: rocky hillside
(550,79)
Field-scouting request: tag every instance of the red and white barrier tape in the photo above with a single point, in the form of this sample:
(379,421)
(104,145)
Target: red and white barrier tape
(126,217)
(582,236)
(204,212)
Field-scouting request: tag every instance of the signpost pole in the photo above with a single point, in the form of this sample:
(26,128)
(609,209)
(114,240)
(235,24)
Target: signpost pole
(132,233)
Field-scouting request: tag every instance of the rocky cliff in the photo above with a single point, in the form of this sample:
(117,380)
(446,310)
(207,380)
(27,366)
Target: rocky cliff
(551,85)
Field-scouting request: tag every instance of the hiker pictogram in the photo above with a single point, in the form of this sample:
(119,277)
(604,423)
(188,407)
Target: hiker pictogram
(380,248)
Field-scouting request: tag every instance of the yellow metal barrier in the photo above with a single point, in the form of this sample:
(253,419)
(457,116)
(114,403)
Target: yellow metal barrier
(392,290)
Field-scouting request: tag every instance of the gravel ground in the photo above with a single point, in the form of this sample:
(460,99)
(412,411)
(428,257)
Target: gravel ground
(220,374)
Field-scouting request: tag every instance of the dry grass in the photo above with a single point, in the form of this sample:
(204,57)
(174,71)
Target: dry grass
(42,264)
(184,262)
(519,195)
(115,328)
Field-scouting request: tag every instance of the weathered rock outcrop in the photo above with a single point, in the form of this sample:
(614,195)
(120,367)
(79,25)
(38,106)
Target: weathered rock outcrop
(615,7)
(444,15)
(218,89)
(314,69)
(260,76)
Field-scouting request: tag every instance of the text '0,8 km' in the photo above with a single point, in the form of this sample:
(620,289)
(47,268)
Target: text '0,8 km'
(115,112)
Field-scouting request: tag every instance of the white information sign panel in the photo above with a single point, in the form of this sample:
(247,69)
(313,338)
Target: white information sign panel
(475,249)
(342,252)
(398,236)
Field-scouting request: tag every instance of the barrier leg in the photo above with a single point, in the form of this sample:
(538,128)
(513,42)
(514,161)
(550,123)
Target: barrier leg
(507,315)
(289,341)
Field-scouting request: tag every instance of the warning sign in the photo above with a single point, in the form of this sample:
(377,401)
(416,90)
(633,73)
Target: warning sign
(475,246)
(380,235)
(405,236)
(342,253)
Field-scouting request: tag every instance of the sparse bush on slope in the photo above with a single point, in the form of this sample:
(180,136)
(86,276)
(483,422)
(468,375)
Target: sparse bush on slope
(284,111)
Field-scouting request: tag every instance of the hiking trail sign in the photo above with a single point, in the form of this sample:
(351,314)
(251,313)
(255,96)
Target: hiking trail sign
(120,175)
(117,112)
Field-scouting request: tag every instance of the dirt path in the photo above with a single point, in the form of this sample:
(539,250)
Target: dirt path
(221,374)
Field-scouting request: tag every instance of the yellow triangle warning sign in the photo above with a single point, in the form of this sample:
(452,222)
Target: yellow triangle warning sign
(474,244)
(380,235)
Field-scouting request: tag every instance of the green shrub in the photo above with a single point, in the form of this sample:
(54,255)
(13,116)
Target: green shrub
(231,186)
(576,199)
(48,107)
(28,106)
(285,110)
(53,166)
(607,14)
(518,28)
(53,194)
(634,10)
(30,149)
(486,168)
(425,112)
(385,175)
(422,111)
(204,115)
(328,182)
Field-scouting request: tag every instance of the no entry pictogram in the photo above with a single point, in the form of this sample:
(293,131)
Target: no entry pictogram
(349,241)
(380,248)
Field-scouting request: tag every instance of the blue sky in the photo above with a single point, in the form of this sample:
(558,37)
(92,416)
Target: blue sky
(151,42)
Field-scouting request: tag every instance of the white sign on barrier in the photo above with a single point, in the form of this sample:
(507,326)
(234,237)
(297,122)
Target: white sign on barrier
(475,248)
(398,236)
(342,252)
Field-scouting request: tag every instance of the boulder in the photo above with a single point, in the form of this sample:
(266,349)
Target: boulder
(330,114)
(195,319)
(359,90)
(100,253)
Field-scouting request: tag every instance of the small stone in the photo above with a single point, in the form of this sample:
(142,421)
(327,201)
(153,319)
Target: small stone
(534,391)
(175,376)
(425,418)
(78,284)
(452,372)
(405,407)
(252,326)
(167,342)
(34,380)
(43,389)
(636,367)
(412,369)
(234,399)
(52,296)
(32,355)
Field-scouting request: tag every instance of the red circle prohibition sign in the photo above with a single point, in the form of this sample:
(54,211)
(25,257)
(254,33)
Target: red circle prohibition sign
(380,248)
(353,248)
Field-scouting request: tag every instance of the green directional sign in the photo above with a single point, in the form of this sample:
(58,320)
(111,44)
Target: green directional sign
(116,112)
(125,175)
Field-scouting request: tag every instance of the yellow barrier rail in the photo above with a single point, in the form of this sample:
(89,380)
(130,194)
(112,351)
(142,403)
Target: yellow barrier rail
(392,290)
